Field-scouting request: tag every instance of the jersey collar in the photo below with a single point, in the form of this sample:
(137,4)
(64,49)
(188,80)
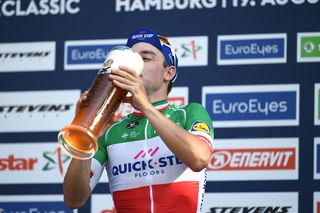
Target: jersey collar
(159,105)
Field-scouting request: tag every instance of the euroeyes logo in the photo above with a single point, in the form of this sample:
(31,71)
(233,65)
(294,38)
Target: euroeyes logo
(252,106)
(88,54)
(252,49)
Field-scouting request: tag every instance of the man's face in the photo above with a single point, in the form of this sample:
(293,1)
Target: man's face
(153,72)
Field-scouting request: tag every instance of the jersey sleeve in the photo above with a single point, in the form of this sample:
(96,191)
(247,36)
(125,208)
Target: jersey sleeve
(199,123)
(98,163)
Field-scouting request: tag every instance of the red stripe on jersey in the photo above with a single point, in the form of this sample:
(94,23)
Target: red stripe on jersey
(174,197)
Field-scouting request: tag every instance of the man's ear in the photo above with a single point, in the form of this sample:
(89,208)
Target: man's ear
(171,72)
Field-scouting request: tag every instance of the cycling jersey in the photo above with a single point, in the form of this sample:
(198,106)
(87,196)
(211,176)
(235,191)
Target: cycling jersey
(144,175)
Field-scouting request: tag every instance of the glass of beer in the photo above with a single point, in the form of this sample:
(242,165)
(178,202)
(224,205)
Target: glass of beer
(96,113)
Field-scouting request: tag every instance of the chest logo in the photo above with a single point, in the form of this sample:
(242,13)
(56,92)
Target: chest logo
(132,125)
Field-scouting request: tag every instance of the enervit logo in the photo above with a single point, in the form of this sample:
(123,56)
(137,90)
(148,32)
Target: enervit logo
(88,54)
(36,111)
(178,96)
(316,202)
(102,204)
(34,204)
(27,56)
(308,47)
(316,160)
(254,159)
(263,202)
(252,106)
(192,50)
(252,49)
(22,162)
(317,104)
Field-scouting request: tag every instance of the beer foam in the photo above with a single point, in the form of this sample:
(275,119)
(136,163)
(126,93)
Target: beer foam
(125,56)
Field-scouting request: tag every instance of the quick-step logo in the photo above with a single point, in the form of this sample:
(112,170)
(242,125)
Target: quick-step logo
(254,159)
(317,104)
(252,49)
(252,105)
(88,54)
(308,47)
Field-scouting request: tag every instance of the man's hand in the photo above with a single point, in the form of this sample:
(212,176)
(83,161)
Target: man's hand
(129,80)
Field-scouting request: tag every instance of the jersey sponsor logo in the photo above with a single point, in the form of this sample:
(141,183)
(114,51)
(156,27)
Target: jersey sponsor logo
(27,56)
(308,47)
(200,126)
(254,159)
(149,166)
(34,204)
(88,54)
(36,111)
(317,104)
(316,158)
(132,125)
(259,105)
(252,49)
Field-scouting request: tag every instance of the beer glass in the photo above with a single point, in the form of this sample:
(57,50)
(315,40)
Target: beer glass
(96,113)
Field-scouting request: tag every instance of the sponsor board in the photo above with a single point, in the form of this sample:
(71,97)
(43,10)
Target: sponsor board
(308,47)
(178,96)
(88,54)
(12,8)
(317,104)
(316,202)
(252,49)
(316,159)
(254,159)
(34,204)
(27,56)
(24,163)
(191,50)
(102,203)
(252,105)
(37,111)
(262,202)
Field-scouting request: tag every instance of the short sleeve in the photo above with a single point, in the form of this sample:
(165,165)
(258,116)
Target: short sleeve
(199,123)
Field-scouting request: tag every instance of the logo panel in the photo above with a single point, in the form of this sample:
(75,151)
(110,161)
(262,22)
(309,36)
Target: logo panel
(191,50)
(316,202)
(308,47)
(27,56)
(316,161)
(252,49)
(34,203)
(22,162)
(35,111)
(251,202)
(317,104)
(88,54)
(252,106)
(254,159)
